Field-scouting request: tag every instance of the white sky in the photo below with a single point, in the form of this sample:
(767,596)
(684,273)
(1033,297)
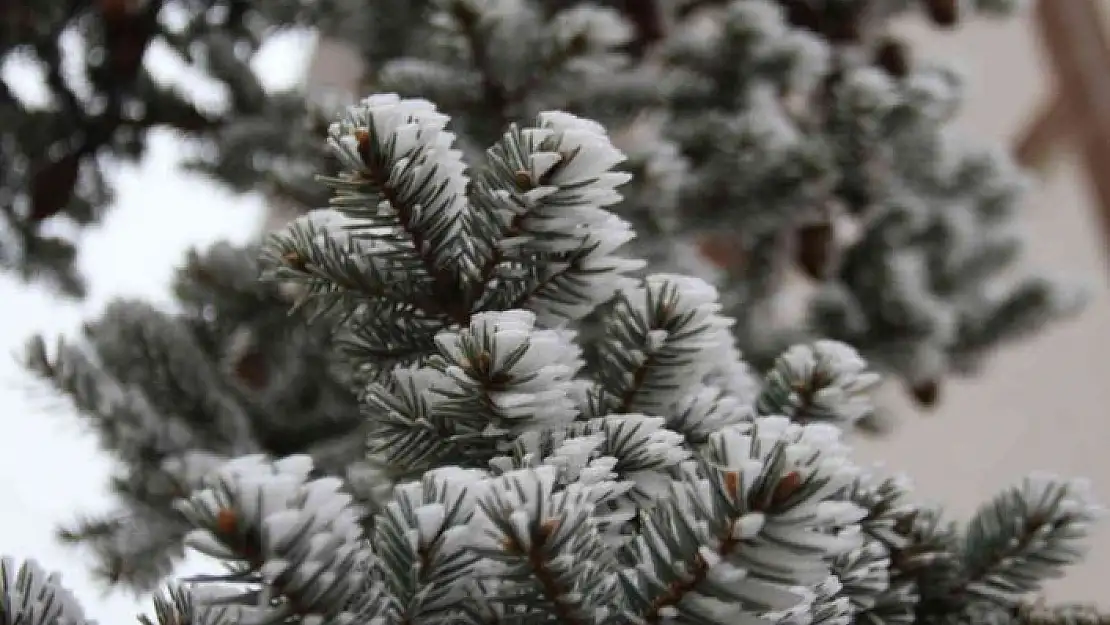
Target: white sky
(50,467)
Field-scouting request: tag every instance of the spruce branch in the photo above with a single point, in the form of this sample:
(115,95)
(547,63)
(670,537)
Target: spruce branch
(747,514)
(1041,613)
(195,605)
(661,341)
(403,172)
(126,32)
(325,259)
(28,595)
(823,604)
(1025,536)
(489,383)
(138,550)
(864,575)
(428,577)
(298,537)
(633,450)
(888,505)
(529,527)
(126,404)
(823,382)
(708,408)
(413,211)
(562,182)
(505,474)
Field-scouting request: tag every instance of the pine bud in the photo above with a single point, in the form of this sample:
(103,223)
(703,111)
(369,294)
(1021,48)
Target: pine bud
(787,486)
(732,484)
(362,136)
(523,179)
(548,529)
(484,363)
(814,247)
(926,393)
(511,546)
(227,522)
(251,370)
(893,57)
(944,13)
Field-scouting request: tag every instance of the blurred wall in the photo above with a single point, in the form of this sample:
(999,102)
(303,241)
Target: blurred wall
(1040,405)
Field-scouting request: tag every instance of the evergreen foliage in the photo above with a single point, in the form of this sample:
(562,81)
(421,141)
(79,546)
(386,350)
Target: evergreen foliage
(782,141)
(232,372)
(770,139)
(102,102)
(503,476)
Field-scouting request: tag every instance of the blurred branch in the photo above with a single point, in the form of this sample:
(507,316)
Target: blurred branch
(127,34)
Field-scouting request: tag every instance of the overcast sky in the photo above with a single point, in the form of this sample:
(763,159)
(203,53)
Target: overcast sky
(50,468)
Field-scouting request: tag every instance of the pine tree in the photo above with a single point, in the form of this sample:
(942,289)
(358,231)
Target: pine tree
(775,143)
(231,372)
(103,102)
(760,131)
(502,476)
(771,122)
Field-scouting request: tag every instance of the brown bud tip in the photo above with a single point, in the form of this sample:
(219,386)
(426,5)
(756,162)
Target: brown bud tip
(362,136)
(294,260)
(732,483)
(926,393)
(548,528)
(944,13)
(786,487)
(523,179)
(511,546)
(814,249)
(251,370)
(226,521)
(893,57)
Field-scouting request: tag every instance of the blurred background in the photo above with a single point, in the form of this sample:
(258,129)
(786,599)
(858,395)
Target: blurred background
(1040,405)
